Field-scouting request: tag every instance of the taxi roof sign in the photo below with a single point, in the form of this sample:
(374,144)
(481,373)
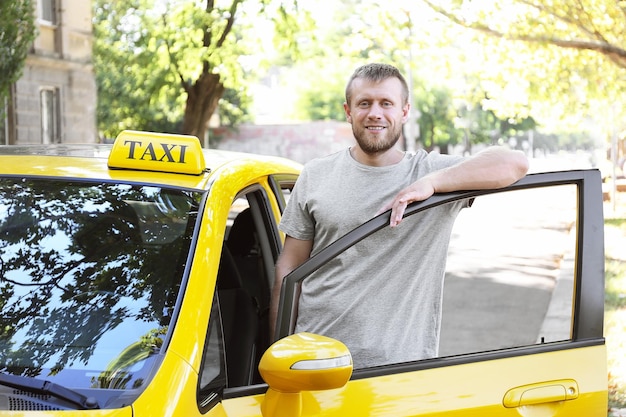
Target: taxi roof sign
(148,151)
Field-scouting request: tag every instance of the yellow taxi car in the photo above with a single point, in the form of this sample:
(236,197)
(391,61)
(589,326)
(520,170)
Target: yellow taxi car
(135,281)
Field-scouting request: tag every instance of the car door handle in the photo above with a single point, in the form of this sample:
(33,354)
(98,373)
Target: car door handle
(541,392)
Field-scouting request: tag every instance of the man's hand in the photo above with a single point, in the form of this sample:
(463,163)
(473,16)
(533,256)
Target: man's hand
(420,190)
(491,168)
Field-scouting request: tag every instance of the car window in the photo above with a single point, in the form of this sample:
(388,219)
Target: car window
(510,274)
(213,369)
(515,276)
(90,277)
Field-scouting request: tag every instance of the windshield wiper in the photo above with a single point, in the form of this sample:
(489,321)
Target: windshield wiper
(40,386)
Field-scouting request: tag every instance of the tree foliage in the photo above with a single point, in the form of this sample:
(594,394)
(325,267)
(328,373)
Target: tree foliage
(563,59)
(16,39)
(347,40)
(593,25)
(135,88)
(347,34)
(436,120)
(166,65)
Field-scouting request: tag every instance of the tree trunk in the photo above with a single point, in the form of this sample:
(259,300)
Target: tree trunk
(202,99)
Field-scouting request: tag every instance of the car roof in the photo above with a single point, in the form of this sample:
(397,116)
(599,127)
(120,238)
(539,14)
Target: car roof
(103,162)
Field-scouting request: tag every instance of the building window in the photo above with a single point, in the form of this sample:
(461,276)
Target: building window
(48,11)
(50,115)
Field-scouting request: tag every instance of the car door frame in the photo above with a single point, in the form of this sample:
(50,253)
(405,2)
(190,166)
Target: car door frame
(588,314)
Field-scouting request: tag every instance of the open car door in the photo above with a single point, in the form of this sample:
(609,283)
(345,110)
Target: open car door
(523,306)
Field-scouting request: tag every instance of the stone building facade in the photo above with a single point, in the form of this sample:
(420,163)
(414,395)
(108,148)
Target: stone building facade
(55,99)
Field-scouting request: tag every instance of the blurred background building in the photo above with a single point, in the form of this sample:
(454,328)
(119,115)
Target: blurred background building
(55,99)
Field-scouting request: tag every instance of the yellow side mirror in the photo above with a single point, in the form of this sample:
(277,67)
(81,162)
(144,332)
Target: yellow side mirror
(302,362)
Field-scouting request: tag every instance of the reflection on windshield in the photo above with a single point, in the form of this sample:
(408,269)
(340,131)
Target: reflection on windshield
(89,274)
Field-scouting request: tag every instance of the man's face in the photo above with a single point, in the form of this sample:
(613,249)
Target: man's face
(376,112)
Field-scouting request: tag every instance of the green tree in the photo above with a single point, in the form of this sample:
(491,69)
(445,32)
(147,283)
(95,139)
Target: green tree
(16,37)
(564,58)
(445,121)
(593,25)
(135,88)
(343,39)
(484,126)
(324,104)
(452,104)
(168,64)
(319,89)
(436,120)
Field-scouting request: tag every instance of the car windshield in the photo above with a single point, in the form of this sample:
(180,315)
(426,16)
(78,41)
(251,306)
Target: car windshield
(89,277)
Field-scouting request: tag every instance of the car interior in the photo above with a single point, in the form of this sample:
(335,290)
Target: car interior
(244,291)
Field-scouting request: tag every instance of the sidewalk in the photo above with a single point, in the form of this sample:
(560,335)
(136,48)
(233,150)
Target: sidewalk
(615,247)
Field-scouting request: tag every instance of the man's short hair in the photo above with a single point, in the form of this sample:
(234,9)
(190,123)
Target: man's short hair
(377,72)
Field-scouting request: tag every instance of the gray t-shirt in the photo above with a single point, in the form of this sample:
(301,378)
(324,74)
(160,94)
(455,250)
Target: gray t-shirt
(382,297)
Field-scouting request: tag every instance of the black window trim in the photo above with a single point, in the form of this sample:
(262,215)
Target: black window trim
(276,184)
(207,397)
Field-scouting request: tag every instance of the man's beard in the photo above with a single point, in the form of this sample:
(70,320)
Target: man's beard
(383,144)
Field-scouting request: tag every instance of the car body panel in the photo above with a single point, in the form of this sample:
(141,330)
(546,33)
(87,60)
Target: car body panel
(471,389)
(92,164)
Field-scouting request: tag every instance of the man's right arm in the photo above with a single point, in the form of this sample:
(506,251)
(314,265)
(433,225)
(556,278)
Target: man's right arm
(295,252)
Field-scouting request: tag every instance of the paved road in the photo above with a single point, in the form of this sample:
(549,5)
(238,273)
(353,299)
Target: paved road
(509,275)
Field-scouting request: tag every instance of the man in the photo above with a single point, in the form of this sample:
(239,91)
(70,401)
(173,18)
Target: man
(382,297)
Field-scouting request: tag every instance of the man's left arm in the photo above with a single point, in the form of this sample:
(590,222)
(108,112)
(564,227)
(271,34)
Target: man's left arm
(494,167)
